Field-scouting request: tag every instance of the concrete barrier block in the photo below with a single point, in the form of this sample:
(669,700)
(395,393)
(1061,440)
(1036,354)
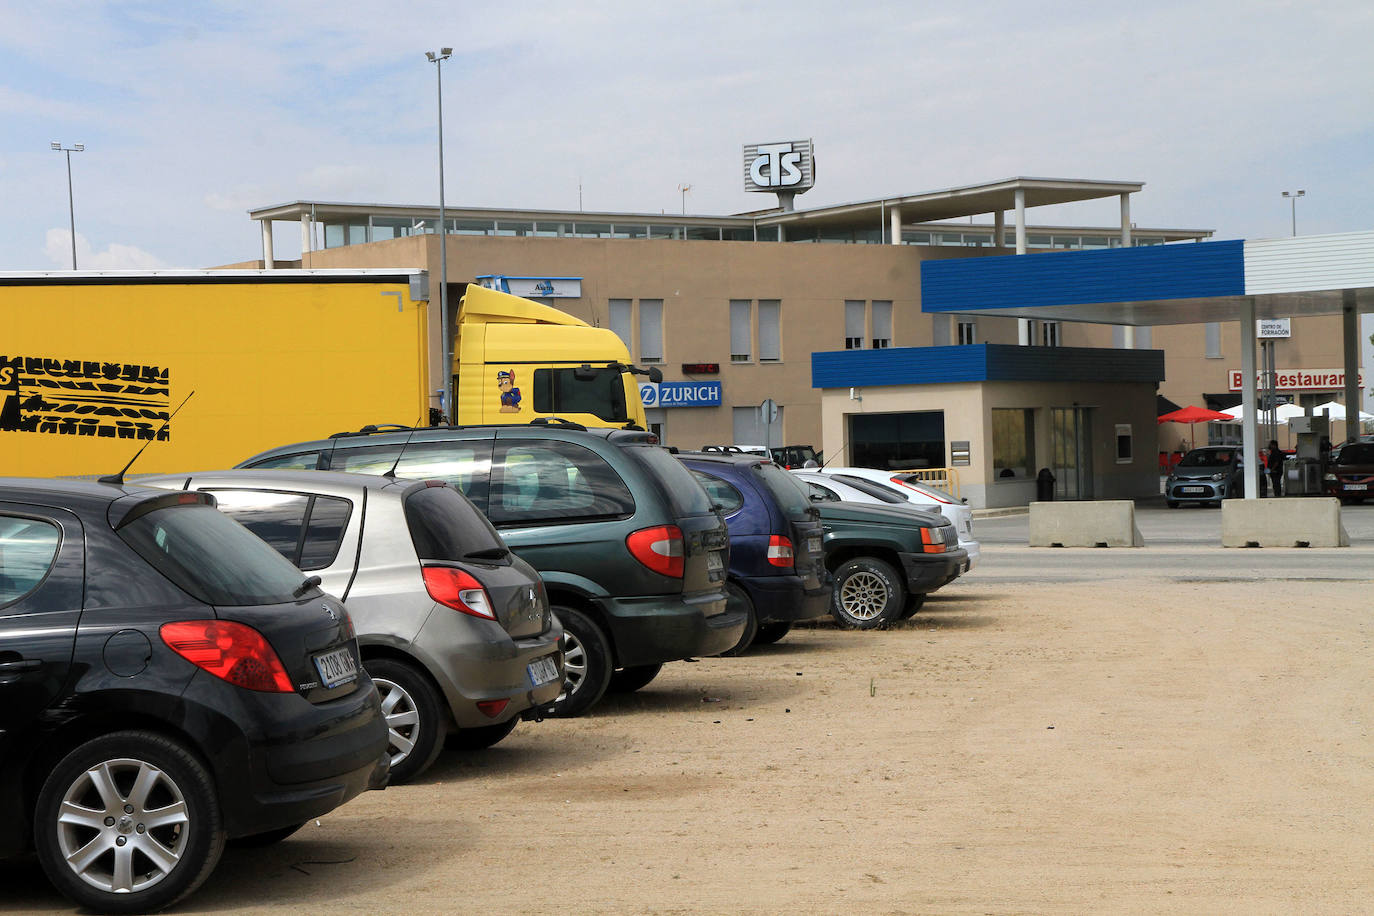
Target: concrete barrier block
(1093,523)
(1297,522)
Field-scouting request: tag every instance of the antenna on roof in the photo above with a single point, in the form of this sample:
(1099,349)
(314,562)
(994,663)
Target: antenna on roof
(119,478)
(392,473)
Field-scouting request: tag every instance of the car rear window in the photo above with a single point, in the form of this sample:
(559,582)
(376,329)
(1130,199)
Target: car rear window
(445,526)
(210,557)
(876,490)
(685,494)
(787,490)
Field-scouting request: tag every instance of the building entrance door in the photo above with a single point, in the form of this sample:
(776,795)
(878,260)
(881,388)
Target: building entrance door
(1071,445)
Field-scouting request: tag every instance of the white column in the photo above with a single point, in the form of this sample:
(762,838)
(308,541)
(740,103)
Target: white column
(999,228)
(895,224)
(1128,336)
(267,261)
(1350,331)
(1024,331)
(1125,221)
(306,239)
(1249,434)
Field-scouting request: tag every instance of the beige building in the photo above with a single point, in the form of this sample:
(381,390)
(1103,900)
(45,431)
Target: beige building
(756,295)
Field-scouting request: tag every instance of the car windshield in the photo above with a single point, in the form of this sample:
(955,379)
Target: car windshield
(1207,458)
(211,557)
(790,493)
(684,491)
(1355,453)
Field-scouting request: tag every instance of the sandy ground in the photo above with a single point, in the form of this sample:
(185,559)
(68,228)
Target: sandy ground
(1069,748)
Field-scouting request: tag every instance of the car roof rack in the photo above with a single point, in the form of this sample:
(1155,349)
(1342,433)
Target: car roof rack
(556,421)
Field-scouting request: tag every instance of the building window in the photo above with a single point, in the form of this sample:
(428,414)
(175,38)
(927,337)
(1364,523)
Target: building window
(770,331)
(1049,334)
(1212,331)
(651,330)
(1013,443)
(740,331)
(620,321)
(854,323)
(882,323)
(968,331)
(1124,444)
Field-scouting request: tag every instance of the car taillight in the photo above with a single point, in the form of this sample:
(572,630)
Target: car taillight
(231,651)
(659,548)
(459,590)
(779,551)
(933,540)
(492,708)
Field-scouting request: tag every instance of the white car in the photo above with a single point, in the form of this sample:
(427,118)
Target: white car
(867,485)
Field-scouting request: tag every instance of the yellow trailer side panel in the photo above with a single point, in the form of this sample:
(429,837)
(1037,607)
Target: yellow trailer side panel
(88,372)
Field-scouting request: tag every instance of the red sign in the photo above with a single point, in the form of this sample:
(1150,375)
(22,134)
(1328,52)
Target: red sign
(701,368)
(1297,379)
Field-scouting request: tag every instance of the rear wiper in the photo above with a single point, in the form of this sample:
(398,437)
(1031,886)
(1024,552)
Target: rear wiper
(306,586)
(489,553)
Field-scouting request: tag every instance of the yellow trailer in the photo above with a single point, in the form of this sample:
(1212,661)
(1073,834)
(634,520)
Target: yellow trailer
(92,364)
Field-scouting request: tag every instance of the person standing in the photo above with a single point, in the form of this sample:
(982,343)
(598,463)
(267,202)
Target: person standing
(1274,461)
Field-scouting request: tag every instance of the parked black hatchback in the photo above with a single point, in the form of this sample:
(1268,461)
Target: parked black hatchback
(632,554)
(167,682)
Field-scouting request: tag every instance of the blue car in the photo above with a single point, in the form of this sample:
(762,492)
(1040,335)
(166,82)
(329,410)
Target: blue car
(777,573)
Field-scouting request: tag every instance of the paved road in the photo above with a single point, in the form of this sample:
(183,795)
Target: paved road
(1181,545)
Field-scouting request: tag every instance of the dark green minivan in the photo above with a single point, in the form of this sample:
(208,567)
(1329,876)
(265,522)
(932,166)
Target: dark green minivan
(631,550)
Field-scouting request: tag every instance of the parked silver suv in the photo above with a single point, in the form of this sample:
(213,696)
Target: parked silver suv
(455,630)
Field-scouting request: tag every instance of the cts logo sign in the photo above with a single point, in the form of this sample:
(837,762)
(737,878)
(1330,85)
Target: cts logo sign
(785,166)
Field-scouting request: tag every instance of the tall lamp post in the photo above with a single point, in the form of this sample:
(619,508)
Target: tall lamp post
(71,206)
(445,402)
(1293,206)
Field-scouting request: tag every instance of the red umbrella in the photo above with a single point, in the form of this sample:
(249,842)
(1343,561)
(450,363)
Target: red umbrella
(1191,415)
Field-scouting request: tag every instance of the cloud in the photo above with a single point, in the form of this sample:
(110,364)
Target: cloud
(58,247)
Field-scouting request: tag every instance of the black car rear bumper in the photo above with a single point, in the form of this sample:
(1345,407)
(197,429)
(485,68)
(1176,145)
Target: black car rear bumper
(926,572)
(299,761)
(786,599)
(665,628)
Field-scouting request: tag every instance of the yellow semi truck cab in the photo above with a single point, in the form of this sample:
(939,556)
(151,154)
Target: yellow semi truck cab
(516,359)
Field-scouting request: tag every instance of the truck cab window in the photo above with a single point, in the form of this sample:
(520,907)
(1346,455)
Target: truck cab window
(560,391)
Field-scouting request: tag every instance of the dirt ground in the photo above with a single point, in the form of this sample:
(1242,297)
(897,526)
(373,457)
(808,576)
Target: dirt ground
(1139,747)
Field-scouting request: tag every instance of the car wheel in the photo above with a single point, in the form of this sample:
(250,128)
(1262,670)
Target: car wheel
(479,738)
(586,664)
(868,594)
(770,633)
(913,604)
(128,822)
(414,722)
(737,599)
(266,838)
(628,680)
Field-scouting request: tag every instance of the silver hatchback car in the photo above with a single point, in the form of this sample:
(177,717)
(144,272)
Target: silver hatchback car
(455,630)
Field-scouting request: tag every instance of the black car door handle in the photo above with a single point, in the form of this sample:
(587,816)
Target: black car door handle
(26,664)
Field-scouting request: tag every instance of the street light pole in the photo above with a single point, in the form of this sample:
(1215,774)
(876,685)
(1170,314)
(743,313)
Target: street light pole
(71,204)
(444,336)
(1293,206)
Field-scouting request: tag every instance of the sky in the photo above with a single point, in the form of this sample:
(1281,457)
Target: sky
(192,113)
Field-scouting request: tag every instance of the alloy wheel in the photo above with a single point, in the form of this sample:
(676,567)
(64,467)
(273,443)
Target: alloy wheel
(123,825)
(402,718)
(863,595)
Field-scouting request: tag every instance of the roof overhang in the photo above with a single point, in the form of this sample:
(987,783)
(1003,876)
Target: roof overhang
(954,203)
(1162,284)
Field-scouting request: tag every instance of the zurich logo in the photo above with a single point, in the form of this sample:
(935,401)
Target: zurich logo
(648,394)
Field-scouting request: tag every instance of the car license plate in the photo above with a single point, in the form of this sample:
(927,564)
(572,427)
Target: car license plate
(337,667)
(813,543)
(1192,489)
(1357,486)
(542,671)
(713,562)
